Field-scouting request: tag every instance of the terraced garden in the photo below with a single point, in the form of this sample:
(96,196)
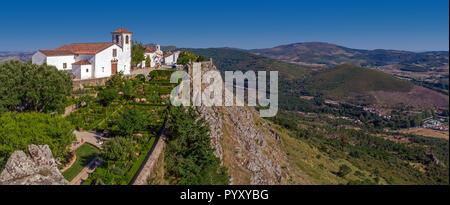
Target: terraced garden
(130,113)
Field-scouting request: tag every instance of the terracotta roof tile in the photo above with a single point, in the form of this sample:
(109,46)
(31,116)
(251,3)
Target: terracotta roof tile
(85,48)
(121,30)
(77,48)
(56,52)
(149,50)
(82,62)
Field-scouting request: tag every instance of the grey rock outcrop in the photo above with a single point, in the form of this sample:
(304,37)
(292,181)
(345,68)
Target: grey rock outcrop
(38,169)
(244,142)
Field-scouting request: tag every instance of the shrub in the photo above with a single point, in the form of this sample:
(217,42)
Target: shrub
(344,170)
(141,77)
(131,120)
(117,149)
(107,96)
(18,130)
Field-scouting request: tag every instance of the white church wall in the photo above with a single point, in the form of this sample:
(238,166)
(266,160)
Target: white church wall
(38,58)
(86,71)
(82,71)
(58,61)
(153,58)
(103,62)
(125,56)
(83,57)
(76,70)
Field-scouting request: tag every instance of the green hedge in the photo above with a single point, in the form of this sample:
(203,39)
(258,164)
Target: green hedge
(138,163)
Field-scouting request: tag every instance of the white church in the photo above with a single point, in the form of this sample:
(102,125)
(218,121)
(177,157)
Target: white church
(91,60)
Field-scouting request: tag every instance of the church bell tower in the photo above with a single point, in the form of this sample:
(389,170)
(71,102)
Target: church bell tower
(122,38)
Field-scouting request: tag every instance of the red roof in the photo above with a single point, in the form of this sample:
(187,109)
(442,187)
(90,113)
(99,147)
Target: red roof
(85,48)
(82,62)
(56,52)
(121,30)
(149,50)
(78,48)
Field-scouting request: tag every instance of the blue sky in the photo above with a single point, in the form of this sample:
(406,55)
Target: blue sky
(404,25)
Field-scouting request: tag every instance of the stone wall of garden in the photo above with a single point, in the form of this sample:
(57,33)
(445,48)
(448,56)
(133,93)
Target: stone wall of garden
(77,84)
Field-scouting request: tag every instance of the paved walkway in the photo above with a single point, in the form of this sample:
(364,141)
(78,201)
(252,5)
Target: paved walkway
(84,173)
(93,138)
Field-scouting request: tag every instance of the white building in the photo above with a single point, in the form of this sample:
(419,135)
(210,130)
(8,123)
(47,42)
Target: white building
(171,58)
(91,60)
(155,55)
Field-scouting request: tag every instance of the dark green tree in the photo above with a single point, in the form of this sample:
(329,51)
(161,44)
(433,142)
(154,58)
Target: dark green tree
(148,61)
(107,96)
(189,155)
(117,149)
(186,57)
(131,121)
(200,58)
(31,87)
(137,53)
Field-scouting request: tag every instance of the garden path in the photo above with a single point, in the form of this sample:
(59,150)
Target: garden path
(93,138)
(84,173)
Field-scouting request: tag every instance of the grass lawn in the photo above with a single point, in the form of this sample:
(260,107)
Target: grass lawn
(85,154)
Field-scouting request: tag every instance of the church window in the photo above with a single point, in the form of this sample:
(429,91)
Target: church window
(114,52)
(117,38)
(87,70)
(64,65)
(127,39)
(103,69)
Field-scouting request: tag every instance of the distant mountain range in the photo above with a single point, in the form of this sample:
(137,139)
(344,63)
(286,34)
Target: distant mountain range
(429,69)
(317,54)
(22,56)
(348,83)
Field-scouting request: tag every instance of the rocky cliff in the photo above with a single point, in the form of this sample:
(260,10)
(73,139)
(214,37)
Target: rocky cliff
(38,169)
(246,144)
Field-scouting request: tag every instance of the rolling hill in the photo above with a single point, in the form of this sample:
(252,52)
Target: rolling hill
(318,54)
(22,56)
(430,69)
(361,85)
(347,83)
(229,59)
(319,139)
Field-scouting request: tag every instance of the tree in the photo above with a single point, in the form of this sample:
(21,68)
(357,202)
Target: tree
(31,87)
(148,61)
(107,96)
(189,155)
(18,130)
(200,58)
(117,149)
(116,81)
(186,57)
(137,53)
(130,121)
